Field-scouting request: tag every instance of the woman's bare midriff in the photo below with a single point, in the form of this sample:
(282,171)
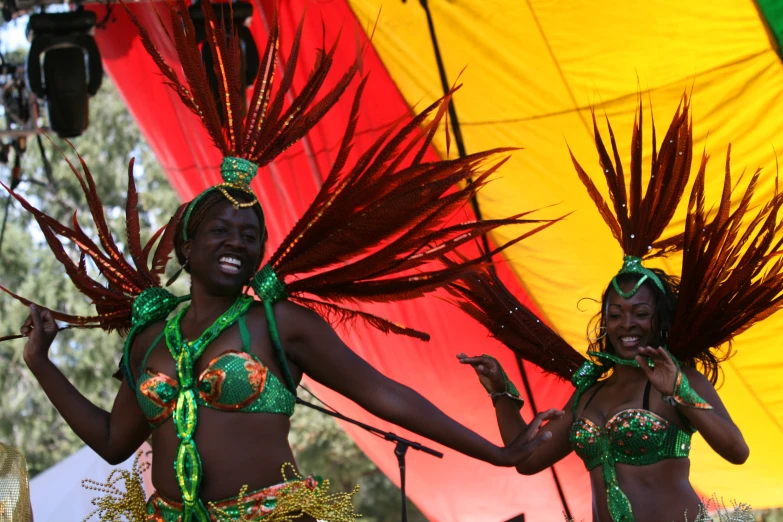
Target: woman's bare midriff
(659,492)
(236,449)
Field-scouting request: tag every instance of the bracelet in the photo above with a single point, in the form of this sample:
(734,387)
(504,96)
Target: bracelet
(684,395)
(510,391)
(516,398)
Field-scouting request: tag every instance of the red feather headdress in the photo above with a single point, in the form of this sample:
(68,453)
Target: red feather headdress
(249,136)
(114,298)
(732,270)
(379,229)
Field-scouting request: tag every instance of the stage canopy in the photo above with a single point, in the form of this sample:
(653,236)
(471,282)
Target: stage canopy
(533,71)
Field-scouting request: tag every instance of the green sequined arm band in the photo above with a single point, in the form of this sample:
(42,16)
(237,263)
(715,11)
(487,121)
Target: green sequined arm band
(510,391)
(684,395)
(267,286)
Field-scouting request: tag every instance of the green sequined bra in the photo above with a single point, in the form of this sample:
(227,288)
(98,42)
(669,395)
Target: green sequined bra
(233,381)
(634,436)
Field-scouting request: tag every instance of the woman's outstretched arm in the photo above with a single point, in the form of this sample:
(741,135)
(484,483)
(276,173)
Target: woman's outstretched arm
(113,435)
(314,347)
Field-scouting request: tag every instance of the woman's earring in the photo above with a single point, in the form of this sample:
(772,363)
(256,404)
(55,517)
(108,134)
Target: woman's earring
(176,275)
(600,336)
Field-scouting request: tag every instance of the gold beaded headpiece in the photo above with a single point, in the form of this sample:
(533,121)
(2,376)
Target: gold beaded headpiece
(237,173)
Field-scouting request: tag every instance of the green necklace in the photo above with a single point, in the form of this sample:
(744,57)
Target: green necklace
(616,359)
(188,461)
(626,362)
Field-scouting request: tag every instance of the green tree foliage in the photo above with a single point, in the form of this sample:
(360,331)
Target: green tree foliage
(90,357)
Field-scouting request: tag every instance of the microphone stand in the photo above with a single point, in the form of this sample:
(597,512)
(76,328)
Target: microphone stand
(401,446)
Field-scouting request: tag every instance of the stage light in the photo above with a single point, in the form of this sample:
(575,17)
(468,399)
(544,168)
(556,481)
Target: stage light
(234,18)
(72,70)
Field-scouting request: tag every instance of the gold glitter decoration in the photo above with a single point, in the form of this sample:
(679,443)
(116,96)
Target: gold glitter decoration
(293,501)
(237,173)
(116,505)
(740,513)
(14,486)
(295,497)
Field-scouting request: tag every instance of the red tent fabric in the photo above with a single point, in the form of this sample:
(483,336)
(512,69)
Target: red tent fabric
(457,488)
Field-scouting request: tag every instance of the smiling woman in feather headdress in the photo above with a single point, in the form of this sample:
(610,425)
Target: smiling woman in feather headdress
(215,384)
(657,343)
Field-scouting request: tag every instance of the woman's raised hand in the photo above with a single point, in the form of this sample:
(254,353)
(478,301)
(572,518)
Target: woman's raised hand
(530,438)
(488,370)
(40,329)
(664,373)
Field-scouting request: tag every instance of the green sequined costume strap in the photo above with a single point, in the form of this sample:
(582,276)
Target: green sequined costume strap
(587,375)
(188,461)
(278,346)
(270,289)
(619,505)
(153,304)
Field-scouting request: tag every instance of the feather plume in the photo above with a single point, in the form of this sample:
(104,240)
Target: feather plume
(113,298)
(382,228)
(274,120)
(134,229)
(486,299)
(732,270)
(340,315)
(638,221)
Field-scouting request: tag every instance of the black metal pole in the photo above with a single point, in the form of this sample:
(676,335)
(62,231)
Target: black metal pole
(529,393)
(457,131)
(400,448)
(455,127)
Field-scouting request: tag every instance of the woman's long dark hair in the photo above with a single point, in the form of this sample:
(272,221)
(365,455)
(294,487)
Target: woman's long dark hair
(706,362)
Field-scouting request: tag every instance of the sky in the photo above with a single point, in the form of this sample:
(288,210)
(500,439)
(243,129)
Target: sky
(12,34)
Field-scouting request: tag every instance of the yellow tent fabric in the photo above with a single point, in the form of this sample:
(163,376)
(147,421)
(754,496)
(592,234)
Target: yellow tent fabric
(534,68)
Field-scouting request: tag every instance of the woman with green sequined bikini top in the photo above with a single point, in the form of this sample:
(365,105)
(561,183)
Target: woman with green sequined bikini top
(214,383)
(655,346)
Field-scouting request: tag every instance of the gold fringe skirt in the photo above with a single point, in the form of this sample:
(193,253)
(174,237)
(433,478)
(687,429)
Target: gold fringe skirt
(291,499)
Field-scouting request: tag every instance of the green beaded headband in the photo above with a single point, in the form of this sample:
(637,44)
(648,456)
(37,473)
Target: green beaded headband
(237,173)
(633,265)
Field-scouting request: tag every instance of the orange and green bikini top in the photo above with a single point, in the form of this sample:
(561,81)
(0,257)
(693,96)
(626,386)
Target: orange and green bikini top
(232,381)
